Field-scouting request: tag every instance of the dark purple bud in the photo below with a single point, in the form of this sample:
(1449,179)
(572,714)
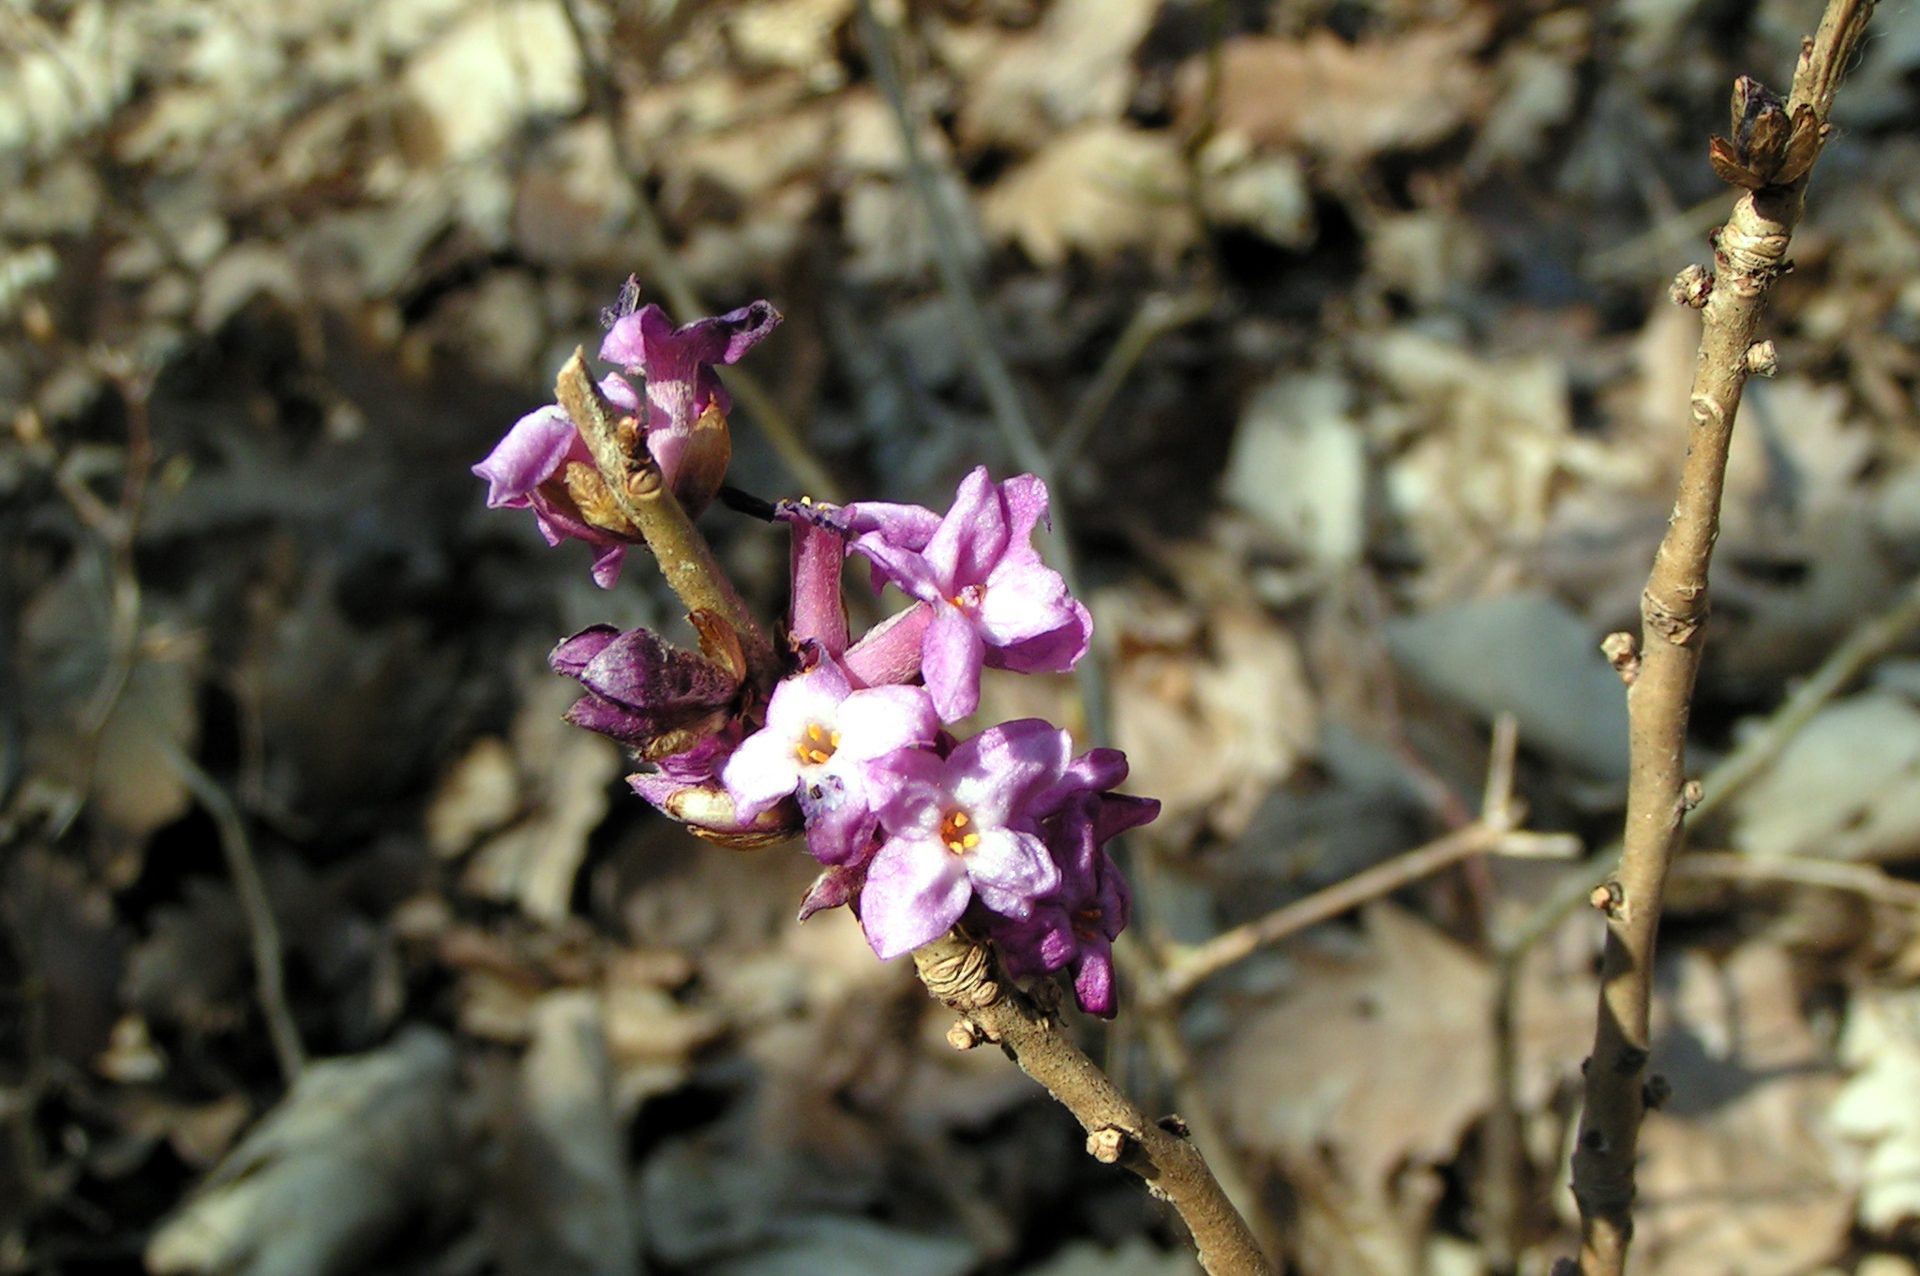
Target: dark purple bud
(652,697)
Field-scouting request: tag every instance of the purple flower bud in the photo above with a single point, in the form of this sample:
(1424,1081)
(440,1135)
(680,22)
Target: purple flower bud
(1074,925)
(836,885)
(957,829)
(651,697)
(994,602)
(819,735)
(545,465)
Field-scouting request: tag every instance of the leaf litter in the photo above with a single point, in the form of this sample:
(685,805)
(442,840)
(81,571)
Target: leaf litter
(1399,475)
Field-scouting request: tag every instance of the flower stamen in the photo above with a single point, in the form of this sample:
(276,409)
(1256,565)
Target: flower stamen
(817,745)
(953,832)
(969,598)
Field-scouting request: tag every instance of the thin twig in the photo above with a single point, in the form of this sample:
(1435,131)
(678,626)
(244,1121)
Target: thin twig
(1749,254)
(118,526)
(970,326)
(961,973)
(1871,639)
(662,265)
(1865,880)
(263,933)
(1493,832)
(1175,1062)
(1157,315)
(642,495)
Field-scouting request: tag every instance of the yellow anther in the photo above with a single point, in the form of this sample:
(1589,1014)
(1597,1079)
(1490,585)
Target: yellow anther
(816,745)
(951,832)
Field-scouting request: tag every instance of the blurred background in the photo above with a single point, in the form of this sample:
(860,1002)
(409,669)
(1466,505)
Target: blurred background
(1343,328)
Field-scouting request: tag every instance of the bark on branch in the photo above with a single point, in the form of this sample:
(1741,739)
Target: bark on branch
(961,973)
(643,497)
(1749,255)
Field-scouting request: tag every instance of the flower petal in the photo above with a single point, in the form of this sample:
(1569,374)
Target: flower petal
(972,537)
(607,561)
(1009,870)
(1053,652)
(840,820)
(951,656)
(878,721)
(1093,981)
(570,657)
(905,567)
(915,891)
(808,699)
(908,526)
(1026,498)
(761,771)
(997,774)
(532,452)
(1024,598)
(906,788)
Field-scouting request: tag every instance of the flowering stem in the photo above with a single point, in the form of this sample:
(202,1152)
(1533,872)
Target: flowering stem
(640,492)
(1749,254)
(960,972)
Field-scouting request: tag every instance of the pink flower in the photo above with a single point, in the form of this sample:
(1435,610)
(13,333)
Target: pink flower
(957,829)
(527,469)
(994,602)
(819,735)
(681,387)
(685,423)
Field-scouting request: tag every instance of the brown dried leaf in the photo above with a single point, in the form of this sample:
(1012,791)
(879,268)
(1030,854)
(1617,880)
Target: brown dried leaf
(1346,101)
(1075,66)
(1734,1175)
(1100,189)
(1371,1062)
(1211,723)
(477,795)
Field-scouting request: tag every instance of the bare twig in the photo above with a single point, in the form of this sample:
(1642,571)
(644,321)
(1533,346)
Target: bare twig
(641,494)
(1493,832)
(263,933)
(1865,880)
(960,972)
(663,267)
(1157,316)
(116,525)
(1749,254)
(1870,640)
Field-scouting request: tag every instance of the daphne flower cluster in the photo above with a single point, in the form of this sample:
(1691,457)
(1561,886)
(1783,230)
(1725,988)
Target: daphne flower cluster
(1004,832)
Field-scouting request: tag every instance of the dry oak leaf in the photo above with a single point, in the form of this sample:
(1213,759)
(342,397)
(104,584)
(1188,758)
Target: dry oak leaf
(1076,65)
(1099,189)
(1210,732)
(1349,102)
(1738,1172)
(1369,1064)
